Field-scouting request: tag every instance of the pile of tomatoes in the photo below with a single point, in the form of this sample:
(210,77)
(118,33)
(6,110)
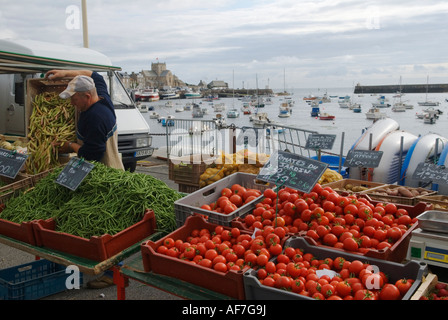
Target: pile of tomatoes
(226,248)
(438,292)
(349,222)
(232,198)
(299,272)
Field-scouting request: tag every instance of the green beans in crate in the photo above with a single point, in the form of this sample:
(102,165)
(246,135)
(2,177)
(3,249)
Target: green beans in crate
(106,202)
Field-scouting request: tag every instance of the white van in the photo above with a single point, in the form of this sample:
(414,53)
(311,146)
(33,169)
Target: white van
(25,59)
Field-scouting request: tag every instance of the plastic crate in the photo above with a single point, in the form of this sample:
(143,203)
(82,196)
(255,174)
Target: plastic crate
(398,251)
(190,205)
(375,194)
(341,185)
(254,290)
(18,231)
(229,283)
(32,281)
(97,248)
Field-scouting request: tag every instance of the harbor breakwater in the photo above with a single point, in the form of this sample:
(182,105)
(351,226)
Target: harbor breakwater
(409,88)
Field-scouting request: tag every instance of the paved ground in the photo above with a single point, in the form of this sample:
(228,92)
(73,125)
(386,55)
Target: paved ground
(10,257)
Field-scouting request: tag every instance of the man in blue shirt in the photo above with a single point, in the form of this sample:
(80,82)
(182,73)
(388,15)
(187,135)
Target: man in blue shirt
(97,126)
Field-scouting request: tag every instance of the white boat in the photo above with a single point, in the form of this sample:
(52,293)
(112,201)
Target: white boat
(197,112)
(219,107)
(260,119)
(284,110)
(233,113)
(246,108)
(398,107)
(169,95)
(154,115)
(430,118)
(179,109)
(388,170)
(149,94)
(188,106)
(169,104)
(381,102)
(284,113)
(192,95)
(375,114)
(423,149)
(143,108)
(344,102)
(427,103)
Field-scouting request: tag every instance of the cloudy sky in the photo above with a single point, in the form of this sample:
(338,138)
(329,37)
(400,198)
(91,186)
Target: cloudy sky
(282,43)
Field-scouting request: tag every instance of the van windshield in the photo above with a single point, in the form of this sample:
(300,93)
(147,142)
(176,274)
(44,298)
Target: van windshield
(119,96)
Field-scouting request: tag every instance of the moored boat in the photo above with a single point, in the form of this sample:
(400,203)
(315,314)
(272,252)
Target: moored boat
(326,116)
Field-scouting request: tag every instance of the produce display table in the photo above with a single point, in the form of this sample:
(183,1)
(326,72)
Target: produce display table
(85,265)
(134,270)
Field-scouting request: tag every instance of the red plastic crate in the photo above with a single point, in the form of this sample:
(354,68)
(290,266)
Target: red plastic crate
(398,251)
(97,248)
(17,231)
(230,283)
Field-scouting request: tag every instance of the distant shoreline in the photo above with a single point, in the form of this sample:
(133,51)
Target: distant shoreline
(409,88)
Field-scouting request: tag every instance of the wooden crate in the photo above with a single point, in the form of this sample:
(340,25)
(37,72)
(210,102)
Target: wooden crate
(376,194)
(427,285)
(438,202)
(345,185)
(37,86)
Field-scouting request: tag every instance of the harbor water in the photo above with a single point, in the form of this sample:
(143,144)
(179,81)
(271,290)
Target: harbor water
(347,124)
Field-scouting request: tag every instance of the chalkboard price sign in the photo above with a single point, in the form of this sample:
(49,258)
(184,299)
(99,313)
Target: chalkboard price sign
(11,162)
(320,141)
(74,173)
(431,172)
(363,158)
(294,171)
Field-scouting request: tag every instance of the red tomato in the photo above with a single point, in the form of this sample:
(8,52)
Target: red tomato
(365,212)
(350,244)
(330,239)
(220,266)
(404,285)
(351,209)
(364,294)
(262,259)
(405,219)
(290,208)
(343,288)
(168,242)
(270,193)
(226,192)
(389,292)
(394,234)
(236,199)
(390,208)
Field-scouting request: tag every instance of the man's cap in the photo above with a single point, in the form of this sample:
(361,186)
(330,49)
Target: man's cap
(78,84)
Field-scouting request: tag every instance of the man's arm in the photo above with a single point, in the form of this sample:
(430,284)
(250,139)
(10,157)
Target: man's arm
(59,74)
